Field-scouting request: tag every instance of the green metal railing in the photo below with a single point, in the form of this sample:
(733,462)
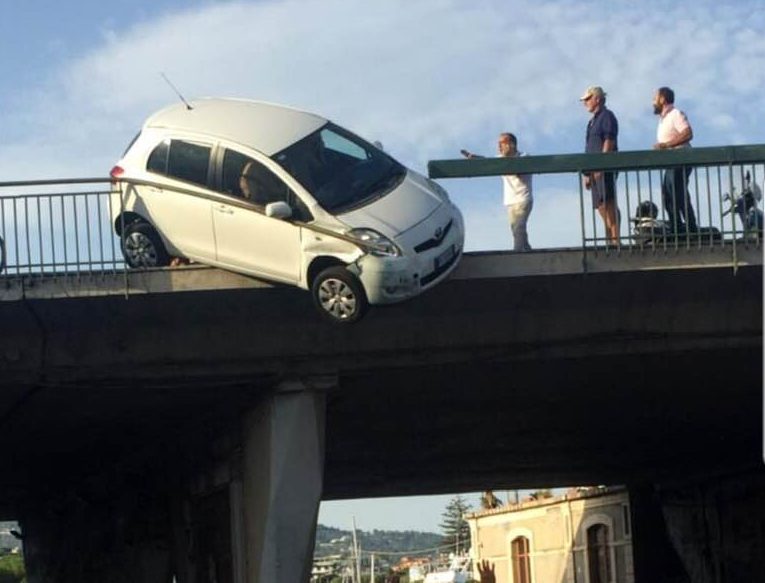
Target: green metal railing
(65,226)
(717,179)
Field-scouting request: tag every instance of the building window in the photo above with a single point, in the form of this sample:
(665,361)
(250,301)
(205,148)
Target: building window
(626,516)
(598,556)
(521,560)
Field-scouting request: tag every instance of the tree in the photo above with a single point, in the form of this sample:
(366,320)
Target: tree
(541,494)
(454,527)
(490,501)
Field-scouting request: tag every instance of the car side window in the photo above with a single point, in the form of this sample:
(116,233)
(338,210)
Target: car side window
(246,178)
(181,160)
(157,162)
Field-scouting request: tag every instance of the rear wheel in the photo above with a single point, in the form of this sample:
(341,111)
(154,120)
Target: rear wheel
(143,247)
(339,295)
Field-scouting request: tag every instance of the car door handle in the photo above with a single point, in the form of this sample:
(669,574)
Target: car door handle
(223,209)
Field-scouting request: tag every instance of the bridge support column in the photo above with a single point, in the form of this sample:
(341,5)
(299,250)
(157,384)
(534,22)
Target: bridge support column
(282,480)
(716,526)
(653,556)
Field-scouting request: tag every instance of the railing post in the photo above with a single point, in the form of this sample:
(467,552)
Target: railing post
(582,221)
(629,212)
(733,217)
(122,237)
(721,201)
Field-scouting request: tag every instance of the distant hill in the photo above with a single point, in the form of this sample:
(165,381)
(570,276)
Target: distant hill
(335,541)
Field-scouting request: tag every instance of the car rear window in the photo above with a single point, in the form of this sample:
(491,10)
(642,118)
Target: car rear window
(182,160)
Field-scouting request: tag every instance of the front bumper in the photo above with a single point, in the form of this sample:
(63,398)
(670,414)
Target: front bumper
(388,280)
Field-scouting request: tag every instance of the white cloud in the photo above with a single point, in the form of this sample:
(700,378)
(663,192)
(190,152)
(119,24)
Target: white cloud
(426,78)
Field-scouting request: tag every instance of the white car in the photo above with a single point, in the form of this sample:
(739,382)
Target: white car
(284,195)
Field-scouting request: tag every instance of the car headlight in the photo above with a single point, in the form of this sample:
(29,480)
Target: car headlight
(377,243)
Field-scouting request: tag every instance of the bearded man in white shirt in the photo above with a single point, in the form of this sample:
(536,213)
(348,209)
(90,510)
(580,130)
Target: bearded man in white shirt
(674,131)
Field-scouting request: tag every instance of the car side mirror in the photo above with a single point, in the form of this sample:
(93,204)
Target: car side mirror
(378,144)
(278,210)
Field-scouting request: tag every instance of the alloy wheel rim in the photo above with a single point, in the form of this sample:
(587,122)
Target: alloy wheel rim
(140,250)
(337,298)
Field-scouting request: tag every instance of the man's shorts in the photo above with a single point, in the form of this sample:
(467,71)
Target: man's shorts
(603,189)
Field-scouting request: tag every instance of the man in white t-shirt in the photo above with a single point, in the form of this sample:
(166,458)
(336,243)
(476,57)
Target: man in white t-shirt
(517,196)
(674,131)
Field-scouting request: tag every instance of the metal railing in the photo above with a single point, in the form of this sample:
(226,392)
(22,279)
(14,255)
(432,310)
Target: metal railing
(717,178)
(50,227)
(58,227)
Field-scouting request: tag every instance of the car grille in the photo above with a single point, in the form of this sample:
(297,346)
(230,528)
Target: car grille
(434,241)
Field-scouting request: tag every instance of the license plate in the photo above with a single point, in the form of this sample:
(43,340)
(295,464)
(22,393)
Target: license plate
(445,257)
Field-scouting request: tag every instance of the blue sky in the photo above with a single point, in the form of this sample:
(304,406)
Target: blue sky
(426,78)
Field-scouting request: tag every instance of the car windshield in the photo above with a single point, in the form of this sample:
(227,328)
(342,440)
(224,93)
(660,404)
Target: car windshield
(340,170)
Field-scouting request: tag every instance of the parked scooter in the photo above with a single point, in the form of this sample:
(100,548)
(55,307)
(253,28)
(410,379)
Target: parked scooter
(649,229)
(745,206)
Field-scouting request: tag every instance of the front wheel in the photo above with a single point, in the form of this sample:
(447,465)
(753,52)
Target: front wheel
(339,295)
(143,247)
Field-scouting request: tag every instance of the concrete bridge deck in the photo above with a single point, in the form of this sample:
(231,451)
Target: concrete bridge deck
(184,424)
(519,371)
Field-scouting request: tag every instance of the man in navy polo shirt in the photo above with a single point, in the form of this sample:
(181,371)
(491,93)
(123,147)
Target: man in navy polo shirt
(602,134)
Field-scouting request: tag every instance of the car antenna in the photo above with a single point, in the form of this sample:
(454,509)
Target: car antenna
(178,93)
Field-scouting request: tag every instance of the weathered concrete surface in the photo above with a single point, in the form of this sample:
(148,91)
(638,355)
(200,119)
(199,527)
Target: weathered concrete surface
(476,265)
(491,379)
(283,469)
(125,417)
(716,526)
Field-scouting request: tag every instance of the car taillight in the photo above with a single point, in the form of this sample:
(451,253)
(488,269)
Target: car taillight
(117,171)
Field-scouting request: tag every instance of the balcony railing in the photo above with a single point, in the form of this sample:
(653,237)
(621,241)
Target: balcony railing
(53,227)
(720,179)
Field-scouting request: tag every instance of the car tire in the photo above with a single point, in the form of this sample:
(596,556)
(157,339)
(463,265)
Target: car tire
(143,247)
(339,295)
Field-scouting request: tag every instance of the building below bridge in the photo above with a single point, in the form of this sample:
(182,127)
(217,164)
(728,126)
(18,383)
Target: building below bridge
(584,536)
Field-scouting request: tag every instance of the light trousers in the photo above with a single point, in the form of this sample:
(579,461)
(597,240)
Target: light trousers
(518,214)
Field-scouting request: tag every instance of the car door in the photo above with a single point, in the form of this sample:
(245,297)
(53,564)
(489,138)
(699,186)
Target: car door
(246,239)
(177,202)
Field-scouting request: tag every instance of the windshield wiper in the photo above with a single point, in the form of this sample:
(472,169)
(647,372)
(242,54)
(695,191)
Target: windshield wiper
(385,183)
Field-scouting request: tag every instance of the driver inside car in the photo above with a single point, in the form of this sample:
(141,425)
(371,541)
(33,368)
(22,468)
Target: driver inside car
(250,185)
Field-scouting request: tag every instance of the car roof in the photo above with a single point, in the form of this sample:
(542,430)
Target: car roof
(266,127)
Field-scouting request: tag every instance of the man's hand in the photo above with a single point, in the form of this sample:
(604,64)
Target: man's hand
(587,182)
(660,146)
(486,571)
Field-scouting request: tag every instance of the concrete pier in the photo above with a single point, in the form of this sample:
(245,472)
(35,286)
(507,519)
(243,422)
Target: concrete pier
(283,473)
